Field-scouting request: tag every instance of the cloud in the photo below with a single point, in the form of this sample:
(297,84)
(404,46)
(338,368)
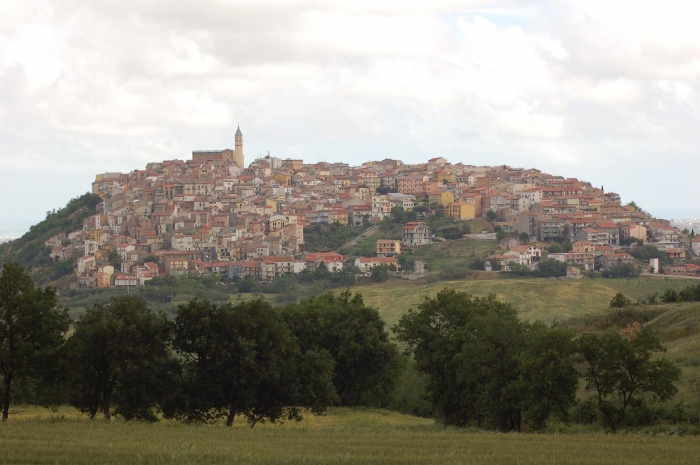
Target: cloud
(599,86)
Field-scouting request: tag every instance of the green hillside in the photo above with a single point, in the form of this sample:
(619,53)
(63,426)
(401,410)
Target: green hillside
(536,299)
(29,250)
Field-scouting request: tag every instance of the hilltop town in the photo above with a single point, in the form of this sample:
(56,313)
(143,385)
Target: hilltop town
(213,215)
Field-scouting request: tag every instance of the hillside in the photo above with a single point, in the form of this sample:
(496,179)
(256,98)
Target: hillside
(29,250)
(679,330)
(535,299)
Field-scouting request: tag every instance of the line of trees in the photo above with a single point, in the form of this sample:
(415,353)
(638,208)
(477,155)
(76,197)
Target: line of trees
(476,361)
(486,367)
(213,361)
(669,296)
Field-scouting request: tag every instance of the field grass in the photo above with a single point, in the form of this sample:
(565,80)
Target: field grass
(679,329)
(35,435)
(535,299)
(460,252)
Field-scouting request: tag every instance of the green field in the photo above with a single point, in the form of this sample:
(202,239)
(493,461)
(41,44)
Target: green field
(35,435)
(535,299)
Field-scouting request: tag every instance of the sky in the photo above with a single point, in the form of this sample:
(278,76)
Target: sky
(603,90)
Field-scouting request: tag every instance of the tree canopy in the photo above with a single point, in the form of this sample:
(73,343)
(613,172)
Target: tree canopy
(119,354)
(243,360)
(366,363)
(32,327)
(484,366)
(620,373)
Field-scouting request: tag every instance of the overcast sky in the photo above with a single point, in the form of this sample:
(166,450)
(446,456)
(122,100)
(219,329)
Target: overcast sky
(606,91)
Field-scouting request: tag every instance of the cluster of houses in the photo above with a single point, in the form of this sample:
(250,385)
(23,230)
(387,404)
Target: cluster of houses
(211,214)
(597,246)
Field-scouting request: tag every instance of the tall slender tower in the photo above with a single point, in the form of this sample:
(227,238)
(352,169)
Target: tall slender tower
(239,148)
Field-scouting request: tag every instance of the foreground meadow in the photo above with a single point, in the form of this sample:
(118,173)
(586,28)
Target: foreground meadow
(35,435)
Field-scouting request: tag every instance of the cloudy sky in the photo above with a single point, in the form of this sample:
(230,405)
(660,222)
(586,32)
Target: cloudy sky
(603,90)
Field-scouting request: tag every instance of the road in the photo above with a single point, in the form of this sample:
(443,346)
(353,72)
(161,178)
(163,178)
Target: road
(482,237)
(369,232)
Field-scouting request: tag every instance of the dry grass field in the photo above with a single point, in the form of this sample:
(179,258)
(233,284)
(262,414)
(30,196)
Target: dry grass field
(535,299)
(38,436)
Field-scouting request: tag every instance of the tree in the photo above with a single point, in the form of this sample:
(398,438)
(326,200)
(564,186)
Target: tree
(491,215)
(622,270)
(484,366)
(439,211)
(620,301)
(547,379)
(551,268)
(398,215)
(367,364)
(524,237)
(628,241)
(248,284)
(500,235)
(115,259)
(119,355)
(554,248)
(669,296)
(244,360)
(620,373)
(32,327)
(646,252)
(380,273)
(465,345)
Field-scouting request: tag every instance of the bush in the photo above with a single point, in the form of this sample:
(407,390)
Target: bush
(550,268)
(410,395)
(626,270)
(585,412)
(669,296)
(455,272)
(620,301)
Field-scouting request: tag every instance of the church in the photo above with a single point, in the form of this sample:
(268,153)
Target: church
(227,155)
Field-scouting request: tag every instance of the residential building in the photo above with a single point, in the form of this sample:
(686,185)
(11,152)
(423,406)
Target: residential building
(388,248)
(416,233)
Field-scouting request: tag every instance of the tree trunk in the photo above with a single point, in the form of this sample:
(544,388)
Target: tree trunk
(231,416)
(108,404)
(6,398)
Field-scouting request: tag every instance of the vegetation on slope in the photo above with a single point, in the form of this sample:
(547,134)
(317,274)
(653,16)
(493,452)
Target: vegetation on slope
(29,250)
(328,238)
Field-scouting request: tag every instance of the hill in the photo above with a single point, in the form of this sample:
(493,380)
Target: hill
(535,299)
(29,250)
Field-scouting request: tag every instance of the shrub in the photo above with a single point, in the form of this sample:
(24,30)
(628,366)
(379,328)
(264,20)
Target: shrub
(620,301)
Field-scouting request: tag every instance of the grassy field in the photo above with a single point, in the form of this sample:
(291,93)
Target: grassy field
(535,299)
(35,435)
(460,252)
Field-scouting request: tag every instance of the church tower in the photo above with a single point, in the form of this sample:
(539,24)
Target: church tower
(238,157)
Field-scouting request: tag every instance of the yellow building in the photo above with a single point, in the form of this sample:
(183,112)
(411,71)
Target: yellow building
(283,178)
(461,211)
(388,248)
(274,203)
(278,222)
(93,235)
(444,176)
(443,198)
(339,216)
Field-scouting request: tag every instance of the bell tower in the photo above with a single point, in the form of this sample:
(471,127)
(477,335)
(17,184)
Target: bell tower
(238,156)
